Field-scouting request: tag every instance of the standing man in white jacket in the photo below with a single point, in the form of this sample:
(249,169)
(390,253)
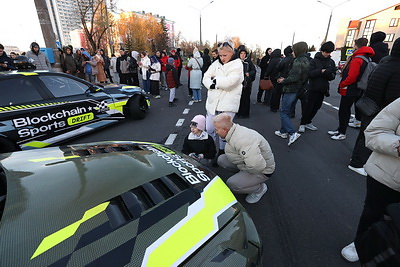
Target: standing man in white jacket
(248,154)
(223,79)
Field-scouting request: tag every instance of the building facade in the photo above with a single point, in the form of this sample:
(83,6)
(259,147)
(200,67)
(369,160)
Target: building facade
(386,20)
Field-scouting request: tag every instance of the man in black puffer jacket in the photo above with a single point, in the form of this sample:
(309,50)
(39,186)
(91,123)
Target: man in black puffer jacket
(381,49)
(322,70)
(383,88)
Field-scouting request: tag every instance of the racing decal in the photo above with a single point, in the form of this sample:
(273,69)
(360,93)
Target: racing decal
(12,108)
(61,235)
(118,106)
(58,119)
(200,224)
(189,171)
(37,144)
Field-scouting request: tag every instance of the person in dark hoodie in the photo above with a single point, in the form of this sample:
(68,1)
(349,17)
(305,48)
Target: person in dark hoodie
(348,89)
(322,70)
(264,66)
(273,74)
(283,69)
(68,62)
(6,63)
(381,49)
(206,61)
(249,71)
(294,82)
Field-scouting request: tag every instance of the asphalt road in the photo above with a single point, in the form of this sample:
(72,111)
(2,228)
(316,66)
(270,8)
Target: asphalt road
(314,201)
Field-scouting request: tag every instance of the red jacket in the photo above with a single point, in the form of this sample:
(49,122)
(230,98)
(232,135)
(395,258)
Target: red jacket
(164,61)
(351,72)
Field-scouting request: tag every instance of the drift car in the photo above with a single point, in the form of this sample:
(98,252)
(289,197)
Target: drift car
(119,204)
(38,109)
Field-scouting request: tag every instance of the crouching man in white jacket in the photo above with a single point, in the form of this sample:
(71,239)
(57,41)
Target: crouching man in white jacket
(248,154)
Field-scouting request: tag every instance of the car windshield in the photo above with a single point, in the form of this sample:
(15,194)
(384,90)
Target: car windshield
(61,86)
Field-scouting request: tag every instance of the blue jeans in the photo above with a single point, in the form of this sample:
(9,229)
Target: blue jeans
(286,123)
(146,85)
(196,94)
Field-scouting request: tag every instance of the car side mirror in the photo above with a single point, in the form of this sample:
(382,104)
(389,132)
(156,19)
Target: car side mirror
(93,89)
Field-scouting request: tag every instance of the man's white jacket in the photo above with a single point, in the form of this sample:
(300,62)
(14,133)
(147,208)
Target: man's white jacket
(249,150)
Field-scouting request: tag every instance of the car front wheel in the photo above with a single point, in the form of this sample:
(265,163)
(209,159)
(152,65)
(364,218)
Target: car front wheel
(137,107)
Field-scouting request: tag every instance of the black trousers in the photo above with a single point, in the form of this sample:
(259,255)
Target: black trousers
(244,107)
(107,71)
(123,78)
(154,87)
(344,112)
(377,198)
(361,153)
(276,96)
(314,103)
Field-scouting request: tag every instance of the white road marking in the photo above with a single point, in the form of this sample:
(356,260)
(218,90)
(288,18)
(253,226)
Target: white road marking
(186,111)
(170,139)
(332,106)
(179,122)
(191,102)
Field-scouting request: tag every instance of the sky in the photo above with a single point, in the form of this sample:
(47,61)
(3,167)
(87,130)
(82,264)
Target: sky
(273,23)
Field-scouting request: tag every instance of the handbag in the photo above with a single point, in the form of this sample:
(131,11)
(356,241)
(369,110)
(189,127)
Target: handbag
(367,106)
(266,84)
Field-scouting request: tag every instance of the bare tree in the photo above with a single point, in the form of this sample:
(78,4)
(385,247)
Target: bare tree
(93,14)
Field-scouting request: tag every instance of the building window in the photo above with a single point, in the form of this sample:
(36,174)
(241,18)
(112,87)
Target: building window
(389,37)
(394,22)
(350,38)
(369,28)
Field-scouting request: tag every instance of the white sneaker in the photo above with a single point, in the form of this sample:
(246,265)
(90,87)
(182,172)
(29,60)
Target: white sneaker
(335,132)
(352,119)
(338,137)
(358,170)
(256,196)
(302,129)
(355,124)
(293,138)
(311,127)
(157,97)
(283,135)
(350,253)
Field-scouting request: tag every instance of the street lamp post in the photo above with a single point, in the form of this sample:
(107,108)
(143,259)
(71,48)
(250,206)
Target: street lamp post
(330,16)
(201,39)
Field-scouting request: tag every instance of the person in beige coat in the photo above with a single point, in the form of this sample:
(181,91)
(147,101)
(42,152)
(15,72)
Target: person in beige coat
(223,79)
(382,136)
(248,154)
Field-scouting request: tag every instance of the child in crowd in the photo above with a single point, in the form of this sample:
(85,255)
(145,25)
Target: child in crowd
(172,80)
(198,144)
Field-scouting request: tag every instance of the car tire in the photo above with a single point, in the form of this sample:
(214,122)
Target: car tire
(7,145)
(137,107)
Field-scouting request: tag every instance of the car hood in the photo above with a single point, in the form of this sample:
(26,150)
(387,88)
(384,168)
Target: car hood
(60,200)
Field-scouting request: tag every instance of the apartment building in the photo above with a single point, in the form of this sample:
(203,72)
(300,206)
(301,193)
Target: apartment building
(386,20)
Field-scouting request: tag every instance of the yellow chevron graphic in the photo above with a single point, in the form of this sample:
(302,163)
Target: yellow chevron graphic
(58,237)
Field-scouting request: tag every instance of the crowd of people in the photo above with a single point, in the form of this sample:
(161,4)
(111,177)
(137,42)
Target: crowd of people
(228,75)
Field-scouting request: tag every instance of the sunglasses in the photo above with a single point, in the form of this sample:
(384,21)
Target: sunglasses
(224,44)
(194,124)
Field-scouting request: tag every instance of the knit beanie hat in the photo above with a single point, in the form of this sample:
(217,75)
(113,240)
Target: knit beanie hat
(395,52)
(328,47)
(201,122)
(171,61)
(377,37)
(300,48)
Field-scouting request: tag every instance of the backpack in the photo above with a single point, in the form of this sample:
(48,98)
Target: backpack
(363,82)
(380,244)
